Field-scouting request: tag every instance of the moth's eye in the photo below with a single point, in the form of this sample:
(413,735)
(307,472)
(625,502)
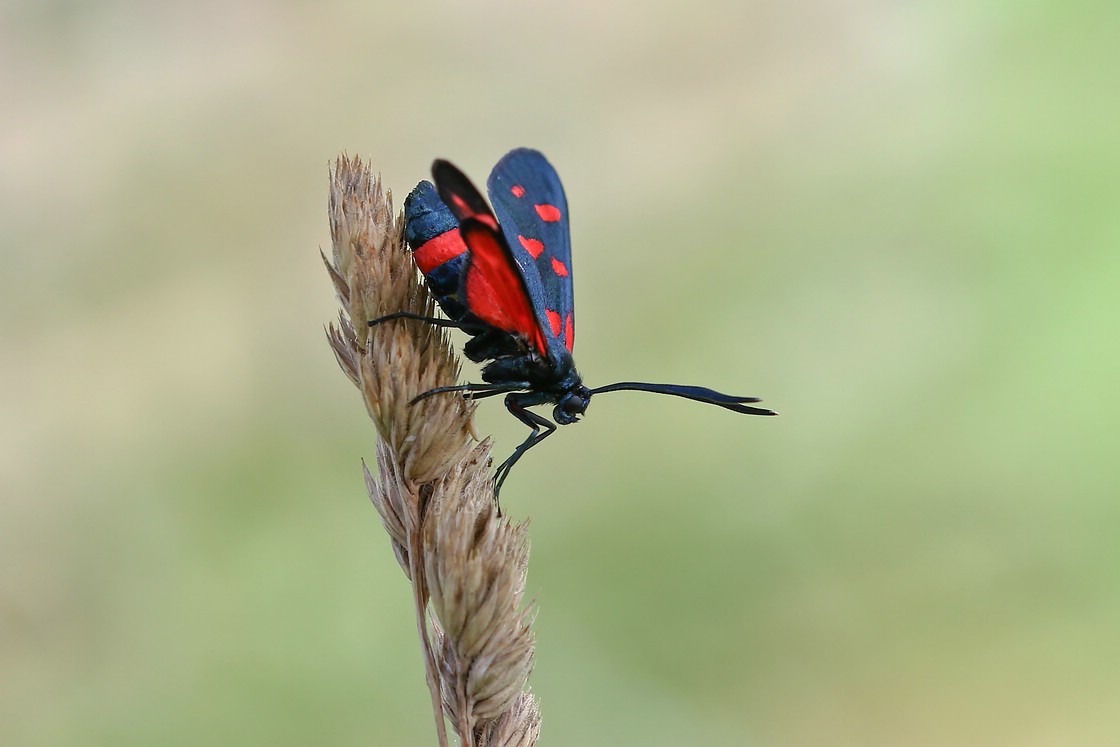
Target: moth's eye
(573,404)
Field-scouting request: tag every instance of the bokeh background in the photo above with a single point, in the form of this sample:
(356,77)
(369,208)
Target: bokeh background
(898,223)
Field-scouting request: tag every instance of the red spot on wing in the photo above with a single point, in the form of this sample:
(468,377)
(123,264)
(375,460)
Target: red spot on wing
(569,332)
(533,246)
(517,190)
(435,251)
(548,213)
(463,210)
(495,291)
(486,218)
(460,205)
(553,321)
(559,268)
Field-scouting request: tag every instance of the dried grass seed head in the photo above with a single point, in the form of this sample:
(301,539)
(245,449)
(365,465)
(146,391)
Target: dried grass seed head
(475,563)
(374,275)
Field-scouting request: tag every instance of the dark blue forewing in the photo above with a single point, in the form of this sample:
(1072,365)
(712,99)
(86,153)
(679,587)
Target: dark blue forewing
(533,214)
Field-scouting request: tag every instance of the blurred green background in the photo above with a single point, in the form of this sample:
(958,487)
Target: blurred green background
(897,223)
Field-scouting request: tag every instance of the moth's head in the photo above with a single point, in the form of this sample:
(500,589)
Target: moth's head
(572,405)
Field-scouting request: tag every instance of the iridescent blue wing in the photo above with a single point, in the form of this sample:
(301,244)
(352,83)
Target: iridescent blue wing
(532,211)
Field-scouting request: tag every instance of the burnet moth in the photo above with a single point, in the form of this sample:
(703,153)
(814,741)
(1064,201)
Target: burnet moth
(504,276)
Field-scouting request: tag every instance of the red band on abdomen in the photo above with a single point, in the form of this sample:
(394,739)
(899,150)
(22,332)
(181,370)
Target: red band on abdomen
(434,252)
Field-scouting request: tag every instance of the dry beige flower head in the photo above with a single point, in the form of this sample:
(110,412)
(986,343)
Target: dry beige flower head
(434,492)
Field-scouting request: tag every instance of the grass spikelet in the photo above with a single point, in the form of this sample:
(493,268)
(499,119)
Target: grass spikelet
(475,562)
(519,726)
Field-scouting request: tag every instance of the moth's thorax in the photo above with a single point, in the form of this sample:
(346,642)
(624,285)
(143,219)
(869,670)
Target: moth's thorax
(554,378)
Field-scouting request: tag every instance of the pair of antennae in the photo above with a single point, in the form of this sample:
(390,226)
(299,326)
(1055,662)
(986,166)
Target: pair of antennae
(697,393)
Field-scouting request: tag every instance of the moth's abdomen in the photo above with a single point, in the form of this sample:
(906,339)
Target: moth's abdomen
(432,232)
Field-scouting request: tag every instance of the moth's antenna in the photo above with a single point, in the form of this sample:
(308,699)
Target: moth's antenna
(697,393)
